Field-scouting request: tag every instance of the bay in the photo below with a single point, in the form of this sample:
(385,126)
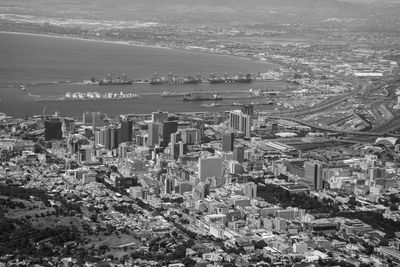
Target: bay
(27,58)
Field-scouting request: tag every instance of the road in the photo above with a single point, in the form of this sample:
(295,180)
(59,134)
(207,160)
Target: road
(330,129)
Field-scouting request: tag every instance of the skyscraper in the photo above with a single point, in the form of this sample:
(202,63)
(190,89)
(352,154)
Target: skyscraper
(126,131)
(228,140)
(53,129)
(97,120)
(191,136)
(210,167)
(153,139)
(168,127)
(107,136)
(159,116)
(87,117)
(238,154)
(248,109)
(314,174)
(240,121)
(69,125)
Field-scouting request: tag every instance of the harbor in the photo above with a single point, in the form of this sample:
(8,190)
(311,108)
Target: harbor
(89,96)
(184,96)
(157,79)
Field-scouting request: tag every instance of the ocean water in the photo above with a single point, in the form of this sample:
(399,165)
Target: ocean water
(34,59)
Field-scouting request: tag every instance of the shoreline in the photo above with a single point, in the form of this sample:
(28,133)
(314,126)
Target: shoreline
(131,43)
(86,39)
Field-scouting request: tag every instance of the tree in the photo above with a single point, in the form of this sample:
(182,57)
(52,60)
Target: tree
(180,252)
(260,244)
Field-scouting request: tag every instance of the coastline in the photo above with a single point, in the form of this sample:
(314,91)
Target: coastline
(131,43)
(86,39)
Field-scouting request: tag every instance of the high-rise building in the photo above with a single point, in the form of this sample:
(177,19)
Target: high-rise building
(248,109)
(159,116)
(228,141)
(280,224)
(87,117)
(126,131)
(53,129)
(69,125)
(107,136)
(114,137)
(169,185)
(198,123)
(168,127)
(250,190)
(202,190)
(238,154)
(313,174)
(123,150)
(154,131)
(191,136)
(240,122)
(210,167)
(97,120)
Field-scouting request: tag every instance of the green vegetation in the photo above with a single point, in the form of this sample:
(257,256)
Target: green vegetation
(277,195)
(21,238)
(24,193)
(376,220)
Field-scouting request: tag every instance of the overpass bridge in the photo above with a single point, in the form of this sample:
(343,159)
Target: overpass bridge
(330,129)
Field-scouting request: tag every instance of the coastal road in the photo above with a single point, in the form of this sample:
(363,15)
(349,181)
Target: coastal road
(330,129)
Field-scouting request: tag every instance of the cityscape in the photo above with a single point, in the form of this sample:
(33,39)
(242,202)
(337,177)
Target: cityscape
(213,134)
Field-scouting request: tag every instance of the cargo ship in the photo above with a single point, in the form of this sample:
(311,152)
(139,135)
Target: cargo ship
(192,80)
(214,79)
(155,79)
(119,81)
(201,97)
(243,79)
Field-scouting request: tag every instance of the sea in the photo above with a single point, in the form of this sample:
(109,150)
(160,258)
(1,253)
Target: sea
(39,59)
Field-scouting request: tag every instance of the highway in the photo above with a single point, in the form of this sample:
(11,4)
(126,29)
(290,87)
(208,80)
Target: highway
(330,129)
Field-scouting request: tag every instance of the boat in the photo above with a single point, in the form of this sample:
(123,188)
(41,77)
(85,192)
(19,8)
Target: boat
(214,79)
(192,80)
(244,79)
(201,97)
(119,81)
(22,87)
(155,79)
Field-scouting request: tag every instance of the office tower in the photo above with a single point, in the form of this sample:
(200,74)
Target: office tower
(191,136)
(228,140)
(73,144)
(114,138)
(198,123)
(247,109)
(168,127)
(280,224)
(126,131)
(240,122)
(122,150)
(159,116)
(202,190)
(238,154)
(53,129)
(250,190)
(107,136)
(210,167)
(169,185)
(87,117)
(69,125)
(97,120)
(182,149)
(153,138)
(314,174)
